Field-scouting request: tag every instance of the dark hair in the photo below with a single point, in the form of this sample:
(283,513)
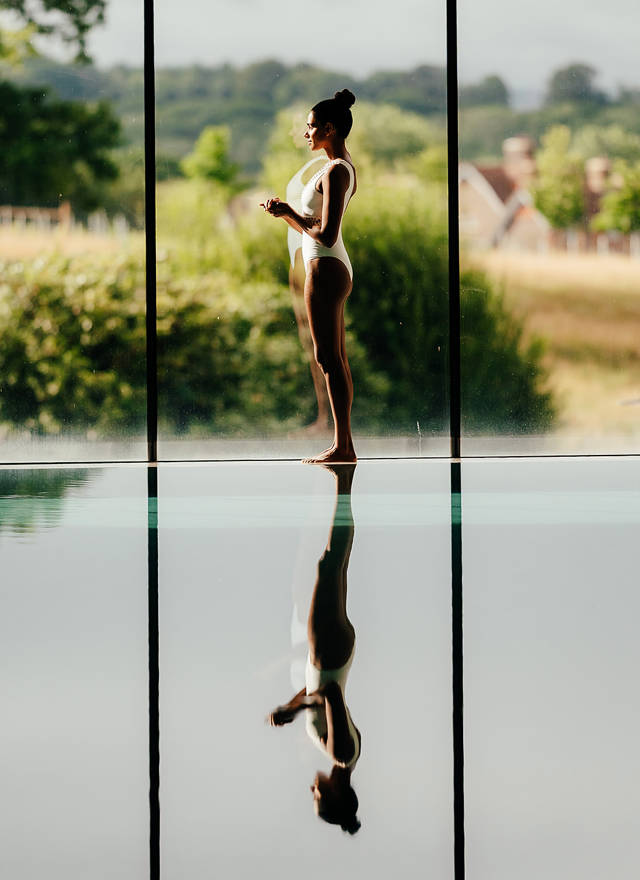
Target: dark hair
(342,812)
(336,110)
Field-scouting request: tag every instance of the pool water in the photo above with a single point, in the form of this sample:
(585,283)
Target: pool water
(551,709)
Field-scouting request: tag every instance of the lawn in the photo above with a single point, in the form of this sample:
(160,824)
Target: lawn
(587,309)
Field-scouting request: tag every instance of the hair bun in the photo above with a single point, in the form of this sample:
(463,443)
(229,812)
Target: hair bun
(345,97)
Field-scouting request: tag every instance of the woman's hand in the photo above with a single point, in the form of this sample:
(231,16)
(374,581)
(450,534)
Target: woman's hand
(281,715)
(275,207)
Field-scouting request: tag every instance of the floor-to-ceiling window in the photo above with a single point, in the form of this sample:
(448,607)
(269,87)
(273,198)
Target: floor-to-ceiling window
(234,86)
(72,276)
(550,145)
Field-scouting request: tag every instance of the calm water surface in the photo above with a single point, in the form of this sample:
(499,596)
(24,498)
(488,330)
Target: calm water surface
(550,562)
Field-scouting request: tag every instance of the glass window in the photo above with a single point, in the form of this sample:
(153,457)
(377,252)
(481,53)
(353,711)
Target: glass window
(72,294)
(238,375)
(550,146)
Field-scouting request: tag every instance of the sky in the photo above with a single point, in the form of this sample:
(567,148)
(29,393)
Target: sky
(495,36)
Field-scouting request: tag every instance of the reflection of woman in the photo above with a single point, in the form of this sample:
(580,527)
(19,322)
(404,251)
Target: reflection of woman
(296,286)
(329,274)
(331,649)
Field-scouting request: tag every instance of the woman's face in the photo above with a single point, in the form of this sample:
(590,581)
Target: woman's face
(315,132)
(321,789)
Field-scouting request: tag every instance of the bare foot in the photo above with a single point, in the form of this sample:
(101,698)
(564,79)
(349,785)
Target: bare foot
(333,456)
(324,452)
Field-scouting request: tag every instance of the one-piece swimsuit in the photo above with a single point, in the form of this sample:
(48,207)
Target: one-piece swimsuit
(312,207)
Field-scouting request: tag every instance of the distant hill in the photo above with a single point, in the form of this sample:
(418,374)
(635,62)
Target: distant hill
(245,98)
(248,98)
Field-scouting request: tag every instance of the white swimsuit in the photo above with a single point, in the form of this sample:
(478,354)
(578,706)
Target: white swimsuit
(316,716)
(312,207)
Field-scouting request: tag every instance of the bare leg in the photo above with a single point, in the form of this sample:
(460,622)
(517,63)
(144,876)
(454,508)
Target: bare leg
(326,289)
(296,285)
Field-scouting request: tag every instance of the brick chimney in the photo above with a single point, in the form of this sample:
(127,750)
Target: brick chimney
(518,159)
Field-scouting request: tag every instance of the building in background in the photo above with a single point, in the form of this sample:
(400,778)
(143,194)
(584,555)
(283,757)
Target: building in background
(497,209)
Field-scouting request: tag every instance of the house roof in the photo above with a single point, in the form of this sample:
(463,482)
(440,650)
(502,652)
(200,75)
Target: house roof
(495,175)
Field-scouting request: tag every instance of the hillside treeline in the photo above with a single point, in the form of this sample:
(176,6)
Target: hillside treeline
(247,99)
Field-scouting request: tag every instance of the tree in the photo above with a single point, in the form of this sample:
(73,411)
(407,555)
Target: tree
(489,91)
(69,19)
(574,83)
(210,157)
(613,141)
(620,207)
(54,150)
(558,191)
(422,90)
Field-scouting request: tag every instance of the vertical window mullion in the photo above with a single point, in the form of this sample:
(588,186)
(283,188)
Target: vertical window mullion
(150,231)
(454,238)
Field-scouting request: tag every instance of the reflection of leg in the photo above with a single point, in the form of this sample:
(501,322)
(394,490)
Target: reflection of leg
(331,634)
(341,535)
(345,359)
(326,289)
(296,285)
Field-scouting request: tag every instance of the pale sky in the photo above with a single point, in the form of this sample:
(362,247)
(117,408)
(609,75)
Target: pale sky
(522,44)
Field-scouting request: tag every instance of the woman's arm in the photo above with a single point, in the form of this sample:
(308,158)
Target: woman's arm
(325,231)
(285,714)
(283,209)
(340,744)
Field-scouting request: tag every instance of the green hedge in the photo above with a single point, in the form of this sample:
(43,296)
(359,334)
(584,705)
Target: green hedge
(73,329)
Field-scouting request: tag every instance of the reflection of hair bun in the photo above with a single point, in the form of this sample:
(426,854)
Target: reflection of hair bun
(345,97)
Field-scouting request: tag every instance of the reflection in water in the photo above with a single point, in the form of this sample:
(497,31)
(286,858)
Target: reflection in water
(33,498)
(296,284)
(331,651)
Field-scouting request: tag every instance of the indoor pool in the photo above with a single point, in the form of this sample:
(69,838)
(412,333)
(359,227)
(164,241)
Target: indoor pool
(207,574)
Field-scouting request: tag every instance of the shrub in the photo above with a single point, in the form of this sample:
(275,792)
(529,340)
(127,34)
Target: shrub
(74,350)
(230,361)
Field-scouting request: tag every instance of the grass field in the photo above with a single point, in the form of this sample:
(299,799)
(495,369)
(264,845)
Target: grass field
(29,243)
(587,309)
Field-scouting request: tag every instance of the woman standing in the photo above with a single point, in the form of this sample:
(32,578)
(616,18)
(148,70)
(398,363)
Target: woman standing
(328,268)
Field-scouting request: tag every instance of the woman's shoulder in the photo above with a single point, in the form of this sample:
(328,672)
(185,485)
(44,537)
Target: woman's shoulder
(336,166)
(342,162)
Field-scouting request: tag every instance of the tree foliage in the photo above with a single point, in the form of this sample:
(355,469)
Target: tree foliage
(613,141)
(210,157)
(620,208)
(189,99)
(54,150)
(559,188)
(230,361)
(74,350)
(491,90)
(71,20)
(574,83)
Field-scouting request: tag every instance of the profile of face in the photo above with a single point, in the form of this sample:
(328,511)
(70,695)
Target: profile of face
(317,133)
(335,801)
(320,789)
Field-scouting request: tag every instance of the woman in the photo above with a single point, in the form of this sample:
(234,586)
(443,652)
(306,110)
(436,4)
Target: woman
(296,285)
(329,274)
(331,650)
